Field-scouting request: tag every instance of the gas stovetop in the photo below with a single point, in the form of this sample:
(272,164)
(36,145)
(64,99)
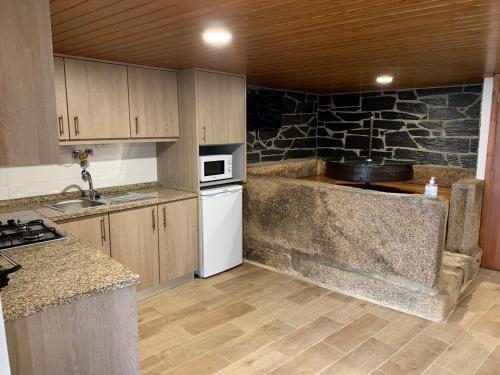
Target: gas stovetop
(15,234)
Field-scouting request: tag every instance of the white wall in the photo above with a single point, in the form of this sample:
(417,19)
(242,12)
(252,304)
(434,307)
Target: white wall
(485,127)
(111,165)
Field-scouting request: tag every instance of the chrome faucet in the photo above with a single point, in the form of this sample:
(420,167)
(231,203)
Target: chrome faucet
(93,194)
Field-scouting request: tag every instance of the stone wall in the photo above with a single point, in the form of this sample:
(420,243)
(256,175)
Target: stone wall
(280,125)
(426,125)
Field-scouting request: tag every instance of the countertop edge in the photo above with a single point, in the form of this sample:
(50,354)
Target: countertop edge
(132,281)
(104,209)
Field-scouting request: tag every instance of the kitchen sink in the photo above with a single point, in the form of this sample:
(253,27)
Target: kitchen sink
(74,205)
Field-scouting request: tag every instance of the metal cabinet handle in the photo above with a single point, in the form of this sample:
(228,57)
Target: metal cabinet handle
(77,126)
(164,217)
(204,134)
(136,125)
(103,231)
(61,125)
(154,219)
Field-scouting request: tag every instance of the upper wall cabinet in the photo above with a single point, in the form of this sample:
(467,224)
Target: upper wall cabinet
(154,111)
(97,100)
(61,103)
(27,102)
(221,108)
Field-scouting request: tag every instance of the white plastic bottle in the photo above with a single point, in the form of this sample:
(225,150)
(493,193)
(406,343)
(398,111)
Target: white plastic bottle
(431,188)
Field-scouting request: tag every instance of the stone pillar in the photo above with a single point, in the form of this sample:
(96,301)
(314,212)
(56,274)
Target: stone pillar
(465,216)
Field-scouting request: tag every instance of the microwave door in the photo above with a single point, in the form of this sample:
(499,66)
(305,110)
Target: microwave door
(214,168)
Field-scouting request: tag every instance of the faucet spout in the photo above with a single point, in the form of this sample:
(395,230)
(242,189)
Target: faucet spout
(93,194)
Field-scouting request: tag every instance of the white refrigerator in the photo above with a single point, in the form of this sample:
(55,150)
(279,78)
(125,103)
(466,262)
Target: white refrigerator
(221,229)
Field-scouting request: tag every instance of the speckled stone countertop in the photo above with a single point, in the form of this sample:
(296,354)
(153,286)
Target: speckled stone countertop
(58,273)
(62,272)
(155,195)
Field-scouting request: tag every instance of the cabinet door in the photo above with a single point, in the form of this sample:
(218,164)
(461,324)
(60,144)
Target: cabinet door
(61,103)
(154,111)
(28,135)
(97,100)
(178,238)
(93,230)
(221,108)
(134,235)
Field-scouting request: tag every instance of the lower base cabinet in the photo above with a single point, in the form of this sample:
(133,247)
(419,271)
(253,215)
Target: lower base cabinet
(178,238)
(134,236)
(160,243)
(93,230)
(94,335)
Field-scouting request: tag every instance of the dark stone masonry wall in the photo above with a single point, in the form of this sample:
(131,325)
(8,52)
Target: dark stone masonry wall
(280,125)
(426,125)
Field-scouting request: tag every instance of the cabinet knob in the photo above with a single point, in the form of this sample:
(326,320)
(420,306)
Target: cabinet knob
(136,125)
(204,134)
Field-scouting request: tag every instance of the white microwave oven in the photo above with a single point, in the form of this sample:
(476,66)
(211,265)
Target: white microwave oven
(216,167)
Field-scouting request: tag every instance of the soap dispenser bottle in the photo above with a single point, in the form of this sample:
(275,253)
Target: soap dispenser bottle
(431,188)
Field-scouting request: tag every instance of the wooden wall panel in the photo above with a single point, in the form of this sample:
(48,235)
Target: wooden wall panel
(28,121)
(490,223)
(321,45)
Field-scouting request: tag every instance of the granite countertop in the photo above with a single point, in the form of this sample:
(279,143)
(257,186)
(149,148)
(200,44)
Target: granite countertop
(58,273)
(155,195)
(65,271)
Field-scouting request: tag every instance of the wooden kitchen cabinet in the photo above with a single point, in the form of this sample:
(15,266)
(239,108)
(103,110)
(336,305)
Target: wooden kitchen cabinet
(61,103)
(28,109)
(154,111)
(178,238)
(93,230)
(134,235)
(97,96)
(221,108)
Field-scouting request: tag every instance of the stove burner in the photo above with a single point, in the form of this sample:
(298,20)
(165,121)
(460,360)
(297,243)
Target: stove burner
(30,235)
(17,233)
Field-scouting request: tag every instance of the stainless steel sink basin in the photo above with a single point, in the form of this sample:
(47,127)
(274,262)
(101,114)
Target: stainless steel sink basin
(74,205)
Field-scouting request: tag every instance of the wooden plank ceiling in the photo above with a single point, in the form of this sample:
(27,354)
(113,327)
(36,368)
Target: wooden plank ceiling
(310,45)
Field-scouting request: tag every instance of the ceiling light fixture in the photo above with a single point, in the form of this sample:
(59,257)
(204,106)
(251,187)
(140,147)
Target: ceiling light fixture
(217,37)
(384,80)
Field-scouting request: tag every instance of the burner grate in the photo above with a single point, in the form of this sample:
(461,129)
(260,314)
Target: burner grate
(16,233)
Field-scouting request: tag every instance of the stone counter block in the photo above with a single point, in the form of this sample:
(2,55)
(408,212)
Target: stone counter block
(445,175)
(392,236)
(465,216)
(291,168)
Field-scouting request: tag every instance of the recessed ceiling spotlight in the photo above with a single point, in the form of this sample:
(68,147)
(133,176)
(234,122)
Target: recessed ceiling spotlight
(384,80)
(217,37)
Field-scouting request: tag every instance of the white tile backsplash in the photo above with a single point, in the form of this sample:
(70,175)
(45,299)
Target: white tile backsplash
(111,165)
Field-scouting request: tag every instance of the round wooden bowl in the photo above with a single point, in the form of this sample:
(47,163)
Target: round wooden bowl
(366,172)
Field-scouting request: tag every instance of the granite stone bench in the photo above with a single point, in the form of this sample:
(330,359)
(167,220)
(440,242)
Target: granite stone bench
(388,248)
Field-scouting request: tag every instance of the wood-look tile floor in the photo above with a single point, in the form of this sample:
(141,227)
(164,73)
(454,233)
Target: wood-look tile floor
(250,320)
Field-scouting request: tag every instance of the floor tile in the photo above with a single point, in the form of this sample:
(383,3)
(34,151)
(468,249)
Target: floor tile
(468,352)
(356,332)
(204,322)
(248,343)
(304,337)
(415,357)
(401,330)
(362,360)
(311,361)
(489,323)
